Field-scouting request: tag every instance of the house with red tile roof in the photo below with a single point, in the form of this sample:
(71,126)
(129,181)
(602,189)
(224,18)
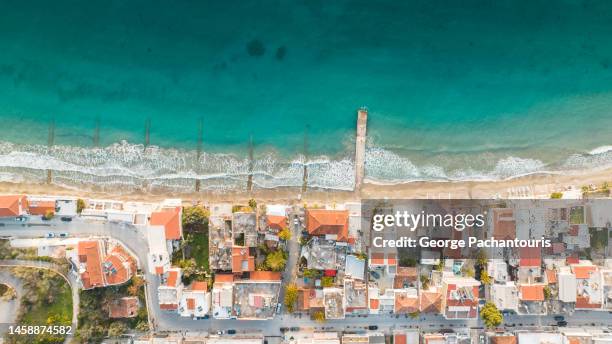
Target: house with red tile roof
(195,300)
(170,221)
(41,206)
(430,301)
(101,263)
(504,223)
(460,297)
(276,223)
(170,291)
(531,299)
(406,301)
(124,307)
(589,286)
(242,260)
(332,224)
(13,205)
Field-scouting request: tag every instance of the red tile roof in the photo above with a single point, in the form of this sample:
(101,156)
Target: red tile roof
(172,278)
(190,304)
(89,255)
(504,224)
(224,278)
(583,302)
(41,207)
(241,260)
(431,302)
(203,286)
(532,293)
(168,306)
(507,339)
(404,276)
(119,266)
(374,303)
(10,205)
(265,276)
(170,220)
(530,256)
(551,276)
(323,222)
(583,271)
(451,301)
(572,260)
(125,307)
(277,222)
(159,270)
(405,304)
(399,339)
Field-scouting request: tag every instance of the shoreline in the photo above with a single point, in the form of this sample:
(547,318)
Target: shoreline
(538,185)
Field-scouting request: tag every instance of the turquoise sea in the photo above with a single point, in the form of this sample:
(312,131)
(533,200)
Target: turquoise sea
(456,90)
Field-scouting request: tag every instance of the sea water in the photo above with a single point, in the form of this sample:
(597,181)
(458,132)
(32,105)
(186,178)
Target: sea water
(465,90)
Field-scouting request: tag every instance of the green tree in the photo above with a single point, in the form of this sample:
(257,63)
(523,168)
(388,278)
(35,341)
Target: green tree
(195,218)
(116,329)
(285,234)
(556,195)
(291,297)
(253,203)
(142,326)
(424,281)
(80,205)
(481,258)
(491,316)
(319,316)
(327,281)
(485,278)
(276,260)
(311,273)
(547,293)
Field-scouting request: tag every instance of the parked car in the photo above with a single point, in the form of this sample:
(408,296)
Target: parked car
(295,329)
(559,318)
(283,329)
(562,323)
(278,308)
(372,327)
(64,235)
(231,331)
(66,218)
(50,235)
(21,218)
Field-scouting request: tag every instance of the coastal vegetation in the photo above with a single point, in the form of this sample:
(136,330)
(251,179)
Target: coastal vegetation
(291,297)
(46,300)
(94,322)
(490,315)
(192,256)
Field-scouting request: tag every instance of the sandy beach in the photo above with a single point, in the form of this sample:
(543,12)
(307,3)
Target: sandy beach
(536,185)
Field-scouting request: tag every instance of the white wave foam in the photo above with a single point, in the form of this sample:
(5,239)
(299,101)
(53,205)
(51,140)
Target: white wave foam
(601,150)
(132,166)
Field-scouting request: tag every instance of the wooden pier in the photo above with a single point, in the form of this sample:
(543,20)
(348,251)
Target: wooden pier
(360,147)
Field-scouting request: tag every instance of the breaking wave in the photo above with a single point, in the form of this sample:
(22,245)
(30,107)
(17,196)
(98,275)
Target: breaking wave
(127,167)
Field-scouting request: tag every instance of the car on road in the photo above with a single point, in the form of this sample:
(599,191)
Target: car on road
(283,329)
(562,323)
(50,235)
(278,308)
(231,331)
(559,317)
(21,218)
(372,327)
(64,235)
(220,332)
(294,329)
(66,218)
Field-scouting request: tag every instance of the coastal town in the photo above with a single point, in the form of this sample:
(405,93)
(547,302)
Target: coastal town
(194,272)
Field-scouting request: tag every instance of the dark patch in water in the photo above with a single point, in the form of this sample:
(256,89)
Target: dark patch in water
(605,63)
(281,52)
(256,48)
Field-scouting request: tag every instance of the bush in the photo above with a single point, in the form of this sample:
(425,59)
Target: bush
(291,297)
(319,316)
(327,281)
(276,260)
(195,218)
(556,195)
(285,234)
(80,205)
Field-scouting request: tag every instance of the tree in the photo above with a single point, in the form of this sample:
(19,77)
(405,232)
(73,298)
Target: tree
(80,205)
(276,260)
(136,283)
(285,234)
(440,265)
(319,316)
(556,195)
(414,315)
(311,273)
(484,277)
(48,215)
(327,281)
(481,258)
(253,203)
(116,329)
(491,316)
(142,326)
(195,218)
(547,293)
(424,281)
(291,297)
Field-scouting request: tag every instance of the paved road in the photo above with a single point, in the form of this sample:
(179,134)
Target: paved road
(70,278)
(134,240)
(9,309)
